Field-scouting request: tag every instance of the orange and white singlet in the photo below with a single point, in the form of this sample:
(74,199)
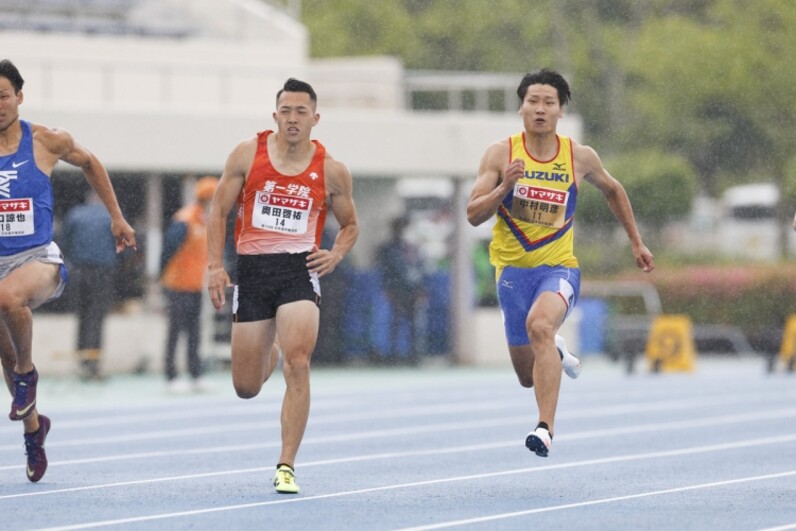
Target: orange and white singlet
(534,221)
(281,213)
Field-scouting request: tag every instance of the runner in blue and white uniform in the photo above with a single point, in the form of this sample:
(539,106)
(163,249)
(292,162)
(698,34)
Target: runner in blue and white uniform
(32,269)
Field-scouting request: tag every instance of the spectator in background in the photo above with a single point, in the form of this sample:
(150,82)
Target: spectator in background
(183,262)
(330,347)
(401,271)
(91,248)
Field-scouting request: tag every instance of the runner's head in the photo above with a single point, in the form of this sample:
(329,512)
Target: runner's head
(9,71)
(545,76)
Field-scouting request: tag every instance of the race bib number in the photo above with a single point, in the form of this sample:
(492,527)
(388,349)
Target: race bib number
(16,217)
(281,213)
(542,206)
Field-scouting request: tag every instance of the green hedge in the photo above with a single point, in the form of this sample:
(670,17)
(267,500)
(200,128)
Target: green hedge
(755,298)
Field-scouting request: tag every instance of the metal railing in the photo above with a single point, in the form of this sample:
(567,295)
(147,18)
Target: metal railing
(461,91)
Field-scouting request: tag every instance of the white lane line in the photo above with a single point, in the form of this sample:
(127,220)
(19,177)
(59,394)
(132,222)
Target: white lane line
(324,462)
(371,457)
(188,432)
(780,528)
(698,423)
(590,462)
(419,411)
(246,410)
(235,410)
(503,516)
(397,455)
(149,455)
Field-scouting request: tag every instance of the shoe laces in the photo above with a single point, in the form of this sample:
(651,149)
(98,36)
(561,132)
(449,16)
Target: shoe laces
(32,446)
(285,475)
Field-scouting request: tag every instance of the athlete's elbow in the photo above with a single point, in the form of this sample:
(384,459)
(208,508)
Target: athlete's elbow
(474,218)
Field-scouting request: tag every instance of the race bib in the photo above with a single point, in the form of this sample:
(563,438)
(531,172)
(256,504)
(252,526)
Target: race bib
(542,206)
(281,213)
(16,217)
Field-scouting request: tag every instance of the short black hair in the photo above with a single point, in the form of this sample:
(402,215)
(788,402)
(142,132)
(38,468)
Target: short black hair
(294,85)
(545,76)
(10,72)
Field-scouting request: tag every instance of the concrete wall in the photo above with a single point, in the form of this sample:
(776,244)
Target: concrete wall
(130,341)
(489,338)
(181,105)
(134,339)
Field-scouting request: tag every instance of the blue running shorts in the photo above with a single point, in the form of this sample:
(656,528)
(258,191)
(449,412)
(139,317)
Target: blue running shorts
(518,288)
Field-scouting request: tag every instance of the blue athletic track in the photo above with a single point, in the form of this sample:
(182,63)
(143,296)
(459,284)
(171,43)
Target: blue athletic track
(428,448)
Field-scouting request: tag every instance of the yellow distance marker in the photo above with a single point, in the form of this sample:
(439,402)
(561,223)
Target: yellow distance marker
(787,352)
(670,346)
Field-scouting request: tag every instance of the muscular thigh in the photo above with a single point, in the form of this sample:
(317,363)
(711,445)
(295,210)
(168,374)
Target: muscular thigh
(297,327)
(31,284)
(250,344)
(519,289)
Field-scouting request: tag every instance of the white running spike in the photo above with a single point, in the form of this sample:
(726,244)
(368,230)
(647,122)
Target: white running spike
(569,363)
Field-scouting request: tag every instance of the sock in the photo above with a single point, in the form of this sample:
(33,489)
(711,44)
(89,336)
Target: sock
(285,464)
(546,427)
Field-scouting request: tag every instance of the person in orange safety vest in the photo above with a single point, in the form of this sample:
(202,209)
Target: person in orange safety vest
(183,264)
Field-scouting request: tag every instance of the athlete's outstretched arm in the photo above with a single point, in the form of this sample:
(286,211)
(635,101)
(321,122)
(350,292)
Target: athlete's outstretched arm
(340,189)
(61,144)
(227,191)
(618,201)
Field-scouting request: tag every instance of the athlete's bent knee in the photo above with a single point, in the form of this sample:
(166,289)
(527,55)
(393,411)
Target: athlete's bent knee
(246,391)
(525,381)
(296,364)
(9,302)
(541,331)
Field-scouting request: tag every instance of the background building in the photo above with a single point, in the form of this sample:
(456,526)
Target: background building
(163,90)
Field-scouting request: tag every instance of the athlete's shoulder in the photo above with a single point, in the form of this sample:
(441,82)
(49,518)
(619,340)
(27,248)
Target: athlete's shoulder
(337,176)
(248,144)
(579,149)
(244,149)
(587,161)
(584,154)
(499,149)
(55,139)
(504,144)
(241,157)
(334,167)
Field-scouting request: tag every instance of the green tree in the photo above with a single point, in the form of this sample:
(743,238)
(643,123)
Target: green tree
(355,28)
(711,81)
(661,188)
(502,35)
(718,90)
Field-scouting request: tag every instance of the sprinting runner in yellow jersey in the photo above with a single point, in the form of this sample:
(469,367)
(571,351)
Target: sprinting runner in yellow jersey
(529,183)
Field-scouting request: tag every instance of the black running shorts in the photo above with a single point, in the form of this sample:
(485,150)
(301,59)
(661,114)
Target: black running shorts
(267,281)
